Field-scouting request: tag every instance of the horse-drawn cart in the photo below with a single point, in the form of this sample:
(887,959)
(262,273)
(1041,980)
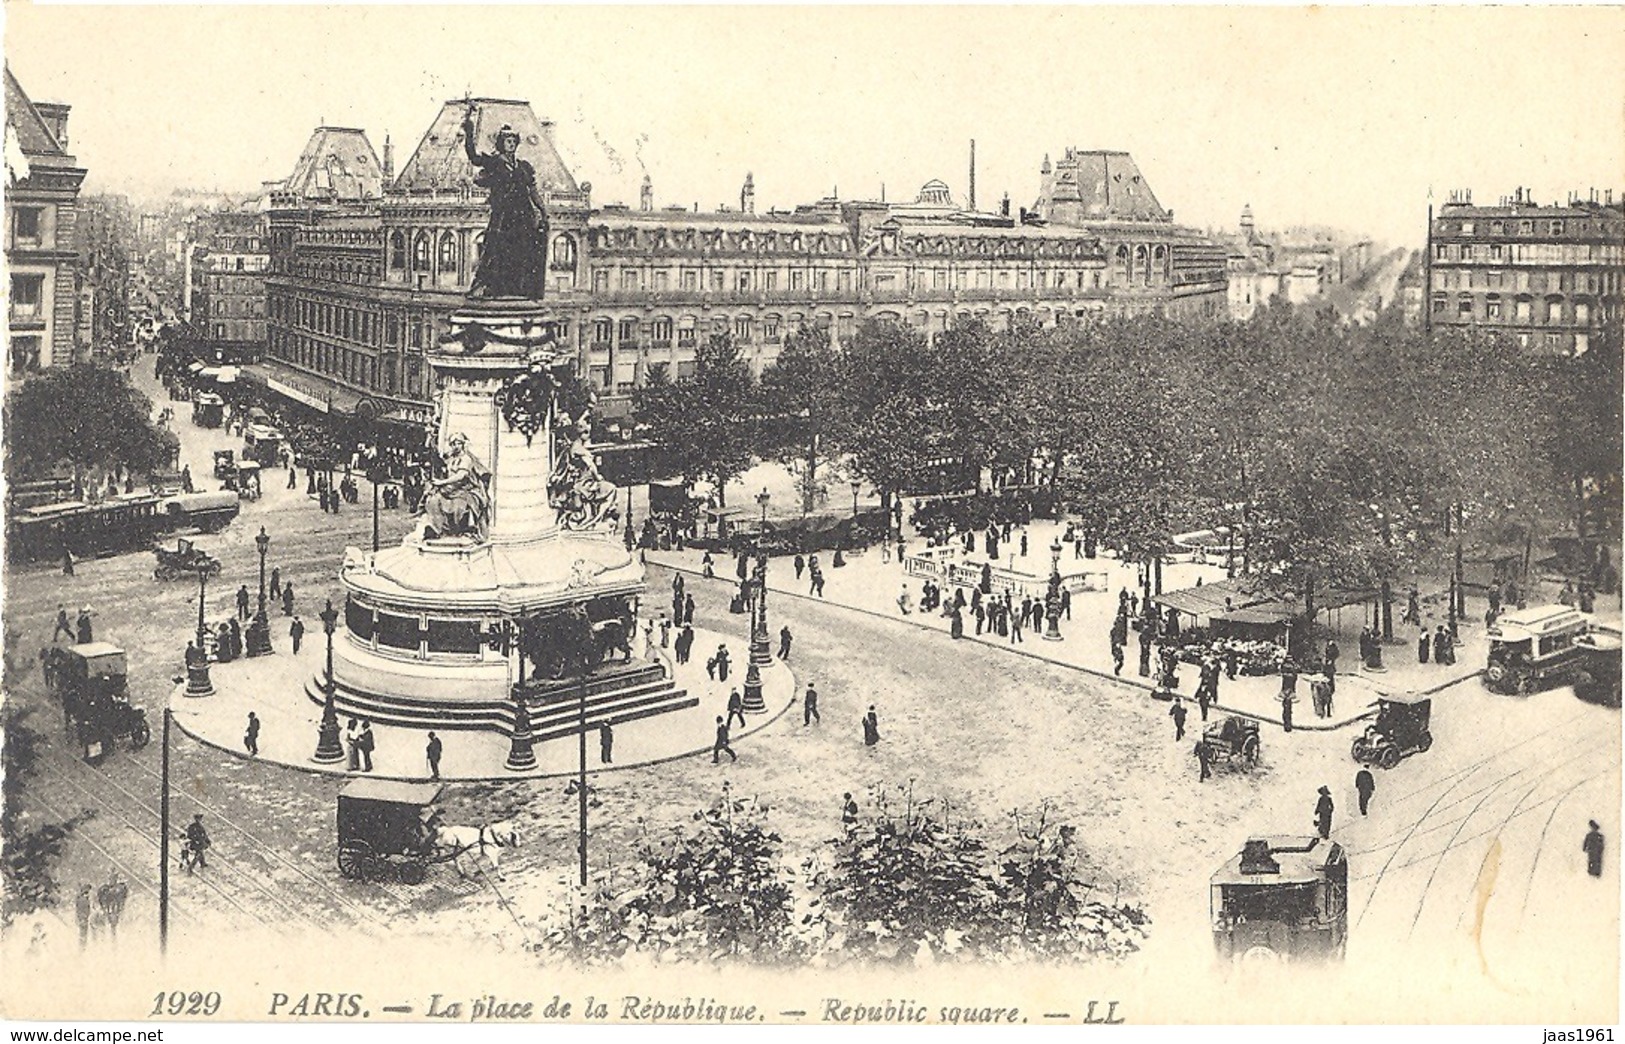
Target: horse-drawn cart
(92,682)
(384,831)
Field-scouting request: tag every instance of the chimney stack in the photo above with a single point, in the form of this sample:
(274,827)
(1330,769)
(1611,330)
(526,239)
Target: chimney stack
(389,159)
(646,195)
(747,195)
(973,174)
(1004,205)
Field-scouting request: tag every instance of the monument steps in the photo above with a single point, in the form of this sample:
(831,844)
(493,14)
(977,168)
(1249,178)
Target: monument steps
(614,699)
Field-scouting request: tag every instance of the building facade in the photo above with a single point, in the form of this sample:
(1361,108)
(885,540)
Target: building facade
(226,274)
(42,261)
(366,270)
(1547,275)
(104,238)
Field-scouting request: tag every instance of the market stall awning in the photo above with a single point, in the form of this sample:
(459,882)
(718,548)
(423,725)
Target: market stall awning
(1210,598)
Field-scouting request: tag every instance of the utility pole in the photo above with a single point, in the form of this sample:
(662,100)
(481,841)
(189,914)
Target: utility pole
(581,783)
(163,841)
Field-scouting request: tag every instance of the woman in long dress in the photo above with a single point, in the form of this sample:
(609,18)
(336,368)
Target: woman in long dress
(512,259)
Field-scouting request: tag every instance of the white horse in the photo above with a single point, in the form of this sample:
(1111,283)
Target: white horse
(491,841)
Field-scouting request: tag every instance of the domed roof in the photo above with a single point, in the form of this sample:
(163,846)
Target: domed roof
(935,192)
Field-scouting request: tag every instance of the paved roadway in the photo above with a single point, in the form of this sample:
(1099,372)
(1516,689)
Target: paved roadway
(978,732)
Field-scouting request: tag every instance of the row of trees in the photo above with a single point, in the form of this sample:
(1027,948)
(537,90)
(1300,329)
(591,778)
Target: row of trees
(1344,455)
(906,883)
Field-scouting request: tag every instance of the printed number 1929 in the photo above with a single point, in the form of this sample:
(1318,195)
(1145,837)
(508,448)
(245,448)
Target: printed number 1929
(178,1003)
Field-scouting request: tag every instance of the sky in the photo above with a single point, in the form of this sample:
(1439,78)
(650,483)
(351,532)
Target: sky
(1346,117)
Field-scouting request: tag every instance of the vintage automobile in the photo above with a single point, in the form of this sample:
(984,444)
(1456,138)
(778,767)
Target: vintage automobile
(225,463)
(1536,648)
(92,682)
(243,480)
(1401,729)
(1282,898)
(1232,738)
(185,560)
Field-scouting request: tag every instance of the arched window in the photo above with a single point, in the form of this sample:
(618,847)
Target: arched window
(420,252)
(1160,262)
(1122,264)
(479,247)
(564,253)
(1142,264)
(448,252)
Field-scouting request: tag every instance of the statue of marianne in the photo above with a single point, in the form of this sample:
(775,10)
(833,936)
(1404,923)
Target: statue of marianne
(512,260)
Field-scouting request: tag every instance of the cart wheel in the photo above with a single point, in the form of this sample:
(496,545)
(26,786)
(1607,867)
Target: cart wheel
(140,735)
(1388,758)
(1424,741)
(413,873)
(356,860)
(1358,751)
(1249,749)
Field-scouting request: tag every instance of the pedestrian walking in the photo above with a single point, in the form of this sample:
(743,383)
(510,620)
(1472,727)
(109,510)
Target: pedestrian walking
(606,744)
(817,581)
(197,836)
(721,747)
(1365,786)
(111,897)
(905,601)
(849,811)
(1117,659)
(251,738)
(784,643)
(1331,655)
(236,638)
(81,909)
(665,631)
(63,624)
(1592,846)
(956,623)
(1444,649)
(736,708)
(1323,813)
(276,581)
(1177,712)
(688,608)
(86,633)
(242,601)
(801,565)
(871,727)
(1423,642)
(287,600)
(352,733)
(1230,658)
(296,632)
(432,752)
(708,566)
(809,707)
(67,561)
(722,663)
(1066,603)
(363,742)
(685,643)
(1204,758)
(1023,543)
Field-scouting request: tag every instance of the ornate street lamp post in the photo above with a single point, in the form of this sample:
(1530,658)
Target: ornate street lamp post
(328,748)
(258,639)
(856,485)
(1052,598)
(521,753)
(760,654)
(197,663)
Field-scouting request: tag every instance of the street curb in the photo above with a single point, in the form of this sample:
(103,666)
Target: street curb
(1132,683)
(515,778)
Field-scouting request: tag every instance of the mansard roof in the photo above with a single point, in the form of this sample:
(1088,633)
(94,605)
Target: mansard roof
(33,134)
(1108,185)
(338,163)
(440,160)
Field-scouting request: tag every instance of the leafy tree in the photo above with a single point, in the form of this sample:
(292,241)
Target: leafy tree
(710,891)
(30,850)
(90,417)
(801,395)
(705,423)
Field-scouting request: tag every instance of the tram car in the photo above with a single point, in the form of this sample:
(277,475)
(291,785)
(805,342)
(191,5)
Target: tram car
(1282,899)
(124,523)
(92,682)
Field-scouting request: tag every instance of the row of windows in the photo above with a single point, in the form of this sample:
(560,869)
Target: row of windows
(1517,226)
(1519,253)
(412,633)
(1520,309)
(1526,282)
(744,241)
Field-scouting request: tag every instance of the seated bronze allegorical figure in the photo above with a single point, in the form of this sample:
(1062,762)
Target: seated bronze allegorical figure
(458,505)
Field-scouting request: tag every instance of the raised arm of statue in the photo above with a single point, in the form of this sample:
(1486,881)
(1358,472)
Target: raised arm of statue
(468,135)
